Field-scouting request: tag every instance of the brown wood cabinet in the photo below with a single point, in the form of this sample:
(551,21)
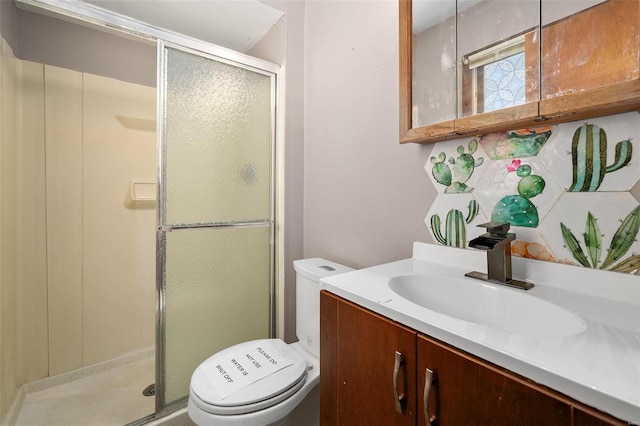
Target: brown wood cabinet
(468,391)
(357,364)
(362,384)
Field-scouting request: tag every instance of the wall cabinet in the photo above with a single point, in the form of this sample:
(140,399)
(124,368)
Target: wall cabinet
(374,371)
(566,73)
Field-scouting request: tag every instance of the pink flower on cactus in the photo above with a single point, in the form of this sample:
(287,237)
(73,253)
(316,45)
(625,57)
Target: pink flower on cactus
(513,166)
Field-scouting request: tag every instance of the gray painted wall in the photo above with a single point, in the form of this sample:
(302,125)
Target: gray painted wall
(365,196)
(63,44)
(8,17)
(284,45)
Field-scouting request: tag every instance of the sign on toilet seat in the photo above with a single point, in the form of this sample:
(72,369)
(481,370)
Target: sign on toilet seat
(245,366)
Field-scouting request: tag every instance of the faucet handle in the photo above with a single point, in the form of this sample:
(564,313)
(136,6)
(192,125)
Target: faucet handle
(498,229)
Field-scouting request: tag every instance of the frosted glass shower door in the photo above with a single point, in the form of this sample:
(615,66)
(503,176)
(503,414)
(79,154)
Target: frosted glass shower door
(215,229)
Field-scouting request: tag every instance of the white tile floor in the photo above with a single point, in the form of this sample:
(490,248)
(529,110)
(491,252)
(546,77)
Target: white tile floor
(108,398)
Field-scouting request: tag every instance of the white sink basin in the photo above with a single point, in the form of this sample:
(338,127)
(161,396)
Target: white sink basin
(487,304)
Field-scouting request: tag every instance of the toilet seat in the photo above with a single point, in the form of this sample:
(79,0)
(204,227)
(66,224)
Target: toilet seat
(259,395)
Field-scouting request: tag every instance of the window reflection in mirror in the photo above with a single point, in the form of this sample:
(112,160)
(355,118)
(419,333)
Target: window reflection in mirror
(495,78)
(434,61)
(588,44)
(499,54)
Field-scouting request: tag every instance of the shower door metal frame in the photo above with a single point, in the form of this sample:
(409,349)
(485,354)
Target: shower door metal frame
(120,24)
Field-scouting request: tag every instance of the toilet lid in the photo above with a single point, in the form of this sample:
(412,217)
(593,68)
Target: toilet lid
(260,392)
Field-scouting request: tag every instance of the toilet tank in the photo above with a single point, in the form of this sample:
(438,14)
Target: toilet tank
(308,274)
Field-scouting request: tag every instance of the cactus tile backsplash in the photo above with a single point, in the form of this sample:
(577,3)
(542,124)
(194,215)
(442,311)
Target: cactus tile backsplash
(515,191)
(453,219)
(565,189)
(593,230)
(565,161)
(455,169)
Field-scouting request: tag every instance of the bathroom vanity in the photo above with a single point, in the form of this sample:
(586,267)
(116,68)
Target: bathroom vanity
(566,354)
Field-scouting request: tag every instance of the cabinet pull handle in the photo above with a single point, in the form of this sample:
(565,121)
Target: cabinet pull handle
(429,380)
(400,398)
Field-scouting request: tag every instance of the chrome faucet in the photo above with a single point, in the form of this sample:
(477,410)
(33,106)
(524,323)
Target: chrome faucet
(497,243)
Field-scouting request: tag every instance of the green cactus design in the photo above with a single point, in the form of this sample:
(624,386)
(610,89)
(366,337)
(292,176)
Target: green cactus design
(593,239)
(620,244)
(572,243)
(623,238)
(517,209)
(463,168)
(589,157)
(455,226)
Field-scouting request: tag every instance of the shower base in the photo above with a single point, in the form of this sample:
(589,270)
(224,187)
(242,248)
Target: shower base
(108,393)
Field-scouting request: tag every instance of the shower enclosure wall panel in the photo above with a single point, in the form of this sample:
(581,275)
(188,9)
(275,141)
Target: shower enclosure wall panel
(119,146)
(32,333)
(63,139)
(8,225)
(88,295)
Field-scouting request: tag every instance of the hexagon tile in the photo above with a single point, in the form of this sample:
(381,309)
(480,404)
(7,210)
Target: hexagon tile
(517,192)
(453,219)
(515,144)
(455,169)
(596,155)
(566,190)
(595,230)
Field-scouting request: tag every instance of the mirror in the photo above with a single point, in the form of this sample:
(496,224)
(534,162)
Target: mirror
(576,59)
(517,63)
(466,58)
(498,54)
(434,79)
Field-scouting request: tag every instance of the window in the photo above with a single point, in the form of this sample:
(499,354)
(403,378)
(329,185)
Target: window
(495,77)
(504,83)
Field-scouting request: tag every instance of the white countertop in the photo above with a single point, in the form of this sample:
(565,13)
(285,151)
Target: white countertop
(599,366)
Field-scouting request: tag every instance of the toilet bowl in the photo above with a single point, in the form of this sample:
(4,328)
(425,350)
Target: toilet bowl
(266,381)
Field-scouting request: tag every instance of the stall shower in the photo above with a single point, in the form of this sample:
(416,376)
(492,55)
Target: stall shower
(92,145)
(145,226)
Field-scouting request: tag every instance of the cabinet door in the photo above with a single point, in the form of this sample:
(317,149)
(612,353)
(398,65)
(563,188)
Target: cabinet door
(358,352)
(575,60)
(468,392)
(594,72)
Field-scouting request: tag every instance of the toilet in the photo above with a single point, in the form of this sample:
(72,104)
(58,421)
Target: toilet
(266,381)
